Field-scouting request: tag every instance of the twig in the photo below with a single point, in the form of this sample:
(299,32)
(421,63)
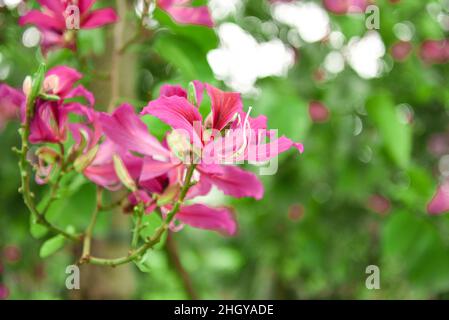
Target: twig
(90,229)
(156,237)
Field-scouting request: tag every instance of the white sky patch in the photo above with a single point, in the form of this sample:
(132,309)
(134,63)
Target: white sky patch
(241,60)
(365,54)
(221,9)
(308,18)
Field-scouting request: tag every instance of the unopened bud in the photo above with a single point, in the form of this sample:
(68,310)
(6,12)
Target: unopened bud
(123,174)
(26,86)
(84,160)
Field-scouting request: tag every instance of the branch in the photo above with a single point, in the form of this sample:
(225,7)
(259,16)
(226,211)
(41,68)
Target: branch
(90,229)
(156,237)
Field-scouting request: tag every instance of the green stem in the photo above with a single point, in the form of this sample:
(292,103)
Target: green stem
(25,189)
(90,229)
(156,237)
(135,240)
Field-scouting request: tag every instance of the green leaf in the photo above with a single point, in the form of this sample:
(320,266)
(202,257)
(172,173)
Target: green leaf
(51,246)
(396,134)
(184,54)
(416,246)
(37,231)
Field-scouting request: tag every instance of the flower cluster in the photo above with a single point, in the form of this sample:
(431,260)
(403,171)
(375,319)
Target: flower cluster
(117,150)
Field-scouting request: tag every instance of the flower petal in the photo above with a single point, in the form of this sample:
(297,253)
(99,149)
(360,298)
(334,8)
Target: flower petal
(42,20)
(169,90)
(53,5)
(187,15)
(177,112)
(99,18)
(66,79)
(261,152)
(126,129)
(85,5)
(224,106)
(203,217)
(232,180)
(154,168)
(440,201)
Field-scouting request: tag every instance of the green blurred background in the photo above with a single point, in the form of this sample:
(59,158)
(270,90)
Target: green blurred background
(356,197)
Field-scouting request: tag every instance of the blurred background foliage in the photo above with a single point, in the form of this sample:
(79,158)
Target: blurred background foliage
(356,197)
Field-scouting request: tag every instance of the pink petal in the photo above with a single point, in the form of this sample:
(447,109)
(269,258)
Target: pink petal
(154,168)
(99,18)
(48,123)
(169,90)
(81,91)
(53,5)
(265,151)
(126,129)
(225,105)
(189,15)
(102,171)
(42,20)
(440,201)
(199,90)
(10,98)
(10,102)
(232,180)
(177,112)
(203,217)
(85,5)
(54,39)
(201,188)
(66,79)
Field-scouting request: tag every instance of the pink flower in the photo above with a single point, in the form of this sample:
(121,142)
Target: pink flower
(10,102)
(226,112)
(49,123)
(58,19)
(182,12)
(163,180)
(440,201)
(345,6)
(435,51)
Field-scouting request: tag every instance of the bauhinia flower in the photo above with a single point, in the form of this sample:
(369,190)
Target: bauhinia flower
(49,123)
(209,145)
(58,21)
(58,98)
(10,101)
(183,12)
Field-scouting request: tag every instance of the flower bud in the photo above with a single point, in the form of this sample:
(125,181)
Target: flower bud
(123,174)
(84,160)
(26,86)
